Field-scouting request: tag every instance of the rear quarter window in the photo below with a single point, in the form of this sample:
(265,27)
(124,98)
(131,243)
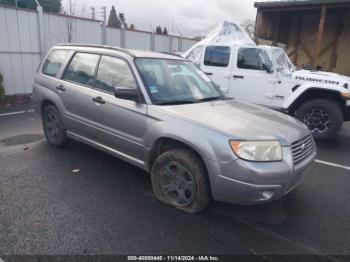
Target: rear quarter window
(54,62)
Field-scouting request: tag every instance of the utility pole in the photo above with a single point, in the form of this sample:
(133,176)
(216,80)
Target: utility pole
(152,37)
(93,16)
(40,28)
(104,26)
(180,39)
(16,3)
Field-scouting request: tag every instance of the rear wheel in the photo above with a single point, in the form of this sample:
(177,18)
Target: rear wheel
(179,179)
(54,129)
(323,117)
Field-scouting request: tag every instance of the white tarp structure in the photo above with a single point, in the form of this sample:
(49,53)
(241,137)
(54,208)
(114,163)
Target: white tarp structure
(227,33)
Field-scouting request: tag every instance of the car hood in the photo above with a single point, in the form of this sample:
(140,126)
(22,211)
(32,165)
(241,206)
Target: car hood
(239,120)
(327,78)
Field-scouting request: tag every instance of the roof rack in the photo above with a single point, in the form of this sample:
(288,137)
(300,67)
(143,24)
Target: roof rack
(99,46)
(169,53)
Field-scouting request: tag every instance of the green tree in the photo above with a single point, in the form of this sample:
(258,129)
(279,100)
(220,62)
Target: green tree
(165,31)
(123,20)
(53,6)
(113,19)
(159,30)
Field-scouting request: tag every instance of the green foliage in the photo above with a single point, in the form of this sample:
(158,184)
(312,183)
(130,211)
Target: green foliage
(159,30)
(2,89)
(122,20)
(53,6)
(165,31)
(113,19)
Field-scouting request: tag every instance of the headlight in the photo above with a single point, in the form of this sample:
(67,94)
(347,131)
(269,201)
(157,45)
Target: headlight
(262,151)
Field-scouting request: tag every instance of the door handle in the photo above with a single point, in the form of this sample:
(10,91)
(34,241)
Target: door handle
(99,100)
(238,76)
(209,73)
(60,88)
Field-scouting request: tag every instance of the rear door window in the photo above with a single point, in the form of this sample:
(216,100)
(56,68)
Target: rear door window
(54,62)
(253,59)
(82,69)
(217,56)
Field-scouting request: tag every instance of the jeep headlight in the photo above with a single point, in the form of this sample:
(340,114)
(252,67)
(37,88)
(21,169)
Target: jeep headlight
(261,151)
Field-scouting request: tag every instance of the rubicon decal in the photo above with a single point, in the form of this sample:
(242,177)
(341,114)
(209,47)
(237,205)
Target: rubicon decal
(317,80)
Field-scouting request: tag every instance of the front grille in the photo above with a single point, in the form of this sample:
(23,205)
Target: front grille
(301,149)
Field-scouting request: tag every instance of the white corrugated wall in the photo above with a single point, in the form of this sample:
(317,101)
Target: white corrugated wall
(20,50)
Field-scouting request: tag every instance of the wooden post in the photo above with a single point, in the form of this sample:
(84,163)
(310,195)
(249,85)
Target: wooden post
(339,29)
(277,31)
(258,25)
(298,38)
(320,35)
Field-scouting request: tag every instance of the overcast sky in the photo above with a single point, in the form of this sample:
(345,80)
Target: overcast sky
(191,17)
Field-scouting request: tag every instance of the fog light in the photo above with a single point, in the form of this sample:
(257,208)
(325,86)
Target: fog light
(266,194)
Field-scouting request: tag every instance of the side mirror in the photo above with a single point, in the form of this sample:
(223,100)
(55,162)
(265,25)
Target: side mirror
(268,68)
(127,93)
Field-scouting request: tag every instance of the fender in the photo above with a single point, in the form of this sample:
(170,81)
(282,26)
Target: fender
(47,94)
(303,89)
(161,129)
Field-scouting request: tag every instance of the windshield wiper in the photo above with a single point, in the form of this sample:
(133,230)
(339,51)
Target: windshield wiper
(176,102)
(213,98)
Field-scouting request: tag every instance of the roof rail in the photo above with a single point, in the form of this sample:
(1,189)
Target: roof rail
(169,53)
(99,46)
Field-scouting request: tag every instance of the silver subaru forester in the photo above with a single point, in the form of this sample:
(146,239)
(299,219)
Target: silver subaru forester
(162,114)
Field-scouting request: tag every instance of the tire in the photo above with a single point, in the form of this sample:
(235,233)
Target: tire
(180,179)
(323,117)
(54,130)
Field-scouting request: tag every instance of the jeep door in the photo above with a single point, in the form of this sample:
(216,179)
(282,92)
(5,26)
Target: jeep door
(216,63)
(120,124)
(254,78)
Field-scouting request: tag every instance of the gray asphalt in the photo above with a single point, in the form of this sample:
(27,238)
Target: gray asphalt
(107,206)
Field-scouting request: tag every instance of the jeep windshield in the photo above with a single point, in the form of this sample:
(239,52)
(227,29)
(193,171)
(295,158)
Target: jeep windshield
(171,82)
(284,65)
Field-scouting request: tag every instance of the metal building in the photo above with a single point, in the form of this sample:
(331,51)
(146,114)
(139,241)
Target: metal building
(315,32)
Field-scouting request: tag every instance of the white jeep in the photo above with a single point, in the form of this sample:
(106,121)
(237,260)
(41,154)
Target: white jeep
(265,75)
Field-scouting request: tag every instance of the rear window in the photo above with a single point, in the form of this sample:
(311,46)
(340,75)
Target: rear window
(54,62)
(217,56)
(81,69)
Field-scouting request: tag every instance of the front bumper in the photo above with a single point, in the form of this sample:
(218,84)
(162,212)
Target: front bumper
(248,183)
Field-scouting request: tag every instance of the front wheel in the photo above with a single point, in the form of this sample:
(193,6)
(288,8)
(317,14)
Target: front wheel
(323,117)
(180,179)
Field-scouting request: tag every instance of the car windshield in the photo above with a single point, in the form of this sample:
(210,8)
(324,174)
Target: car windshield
(284,64)
(176,82)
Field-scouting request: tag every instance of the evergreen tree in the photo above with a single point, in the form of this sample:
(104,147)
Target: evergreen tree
(165,31)
(159,30)
(113,19)
(123,20)
(53,6)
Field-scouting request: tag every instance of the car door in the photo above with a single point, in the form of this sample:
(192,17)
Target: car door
(217,65)
(253,78)
(120,124)
(74,89)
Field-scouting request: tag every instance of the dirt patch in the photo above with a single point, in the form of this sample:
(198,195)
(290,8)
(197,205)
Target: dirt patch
(14,101)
